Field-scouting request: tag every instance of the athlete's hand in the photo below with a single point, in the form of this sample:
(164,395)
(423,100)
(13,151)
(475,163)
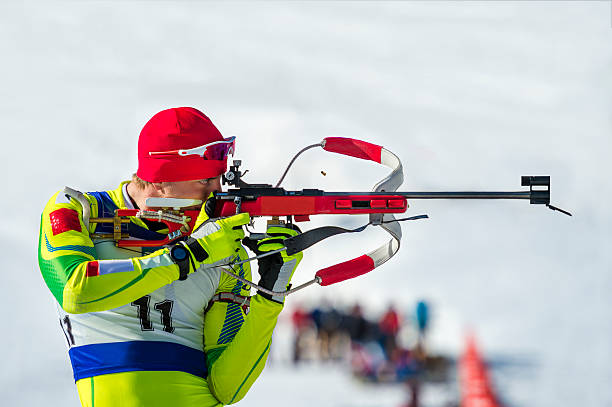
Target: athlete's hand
(213,242)
(277,269)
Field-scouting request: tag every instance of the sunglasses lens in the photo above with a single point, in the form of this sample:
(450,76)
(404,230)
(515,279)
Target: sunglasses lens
(220,151)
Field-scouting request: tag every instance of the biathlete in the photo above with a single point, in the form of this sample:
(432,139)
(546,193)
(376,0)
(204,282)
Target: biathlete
(162,326)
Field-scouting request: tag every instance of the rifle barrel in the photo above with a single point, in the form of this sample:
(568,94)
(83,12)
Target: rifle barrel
(445,195)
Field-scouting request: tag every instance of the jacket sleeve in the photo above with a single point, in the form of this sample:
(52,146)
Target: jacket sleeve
(77,279)
(237,344)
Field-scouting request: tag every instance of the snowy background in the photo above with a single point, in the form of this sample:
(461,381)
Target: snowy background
(469,95)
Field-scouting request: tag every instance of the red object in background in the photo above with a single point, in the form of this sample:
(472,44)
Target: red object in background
(63,220)
(390,322)
(300,318)
(474,381)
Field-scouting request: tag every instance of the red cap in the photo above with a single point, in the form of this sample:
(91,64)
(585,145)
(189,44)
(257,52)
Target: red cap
(174,129)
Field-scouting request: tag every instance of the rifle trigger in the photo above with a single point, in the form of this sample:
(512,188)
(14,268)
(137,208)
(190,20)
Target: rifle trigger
(238,202)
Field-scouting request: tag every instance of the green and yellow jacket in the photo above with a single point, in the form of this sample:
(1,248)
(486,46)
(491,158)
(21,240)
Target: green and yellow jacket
(134,331)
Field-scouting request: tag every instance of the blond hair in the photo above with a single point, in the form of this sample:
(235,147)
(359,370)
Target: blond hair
(140,183)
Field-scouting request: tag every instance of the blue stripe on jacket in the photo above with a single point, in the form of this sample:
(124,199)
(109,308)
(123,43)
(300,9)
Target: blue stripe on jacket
(104,358)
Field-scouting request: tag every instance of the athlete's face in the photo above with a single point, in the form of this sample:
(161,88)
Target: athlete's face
(199,189)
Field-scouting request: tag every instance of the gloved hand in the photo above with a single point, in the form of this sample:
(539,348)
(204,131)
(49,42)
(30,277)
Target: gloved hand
(213,242)
(277,269)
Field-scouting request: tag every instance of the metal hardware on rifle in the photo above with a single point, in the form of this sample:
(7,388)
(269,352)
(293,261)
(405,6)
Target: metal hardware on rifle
(275,221)
(284,293)
(117,221)
(179,224)
(238,203)
(234,175)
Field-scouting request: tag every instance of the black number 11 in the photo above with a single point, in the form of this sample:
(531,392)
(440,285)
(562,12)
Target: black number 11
(164,307)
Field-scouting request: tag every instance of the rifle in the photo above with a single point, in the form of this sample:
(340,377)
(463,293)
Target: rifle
(258,200)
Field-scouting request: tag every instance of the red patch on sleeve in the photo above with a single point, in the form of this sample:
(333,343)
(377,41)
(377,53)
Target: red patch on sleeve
(92,269)
(63,220)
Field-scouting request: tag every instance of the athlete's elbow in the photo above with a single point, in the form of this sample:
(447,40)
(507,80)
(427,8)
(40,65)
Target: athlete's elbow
(223,395)
(73,307)
(226,391)
(77,302)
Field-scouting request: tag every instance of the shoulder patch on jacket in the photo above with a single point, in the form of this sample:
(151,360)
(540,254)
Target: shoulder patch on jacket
(63,220)
(92,269)
(101,267)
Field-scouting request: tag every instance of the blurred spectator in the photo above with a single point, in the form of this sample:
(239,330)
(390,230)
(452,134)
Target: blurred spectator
(376,353)
(355,324)
(389,327)
(302,325)
(328,322)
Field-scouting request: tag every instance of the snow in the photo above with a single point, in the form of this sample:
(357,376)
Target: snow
(468,95)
